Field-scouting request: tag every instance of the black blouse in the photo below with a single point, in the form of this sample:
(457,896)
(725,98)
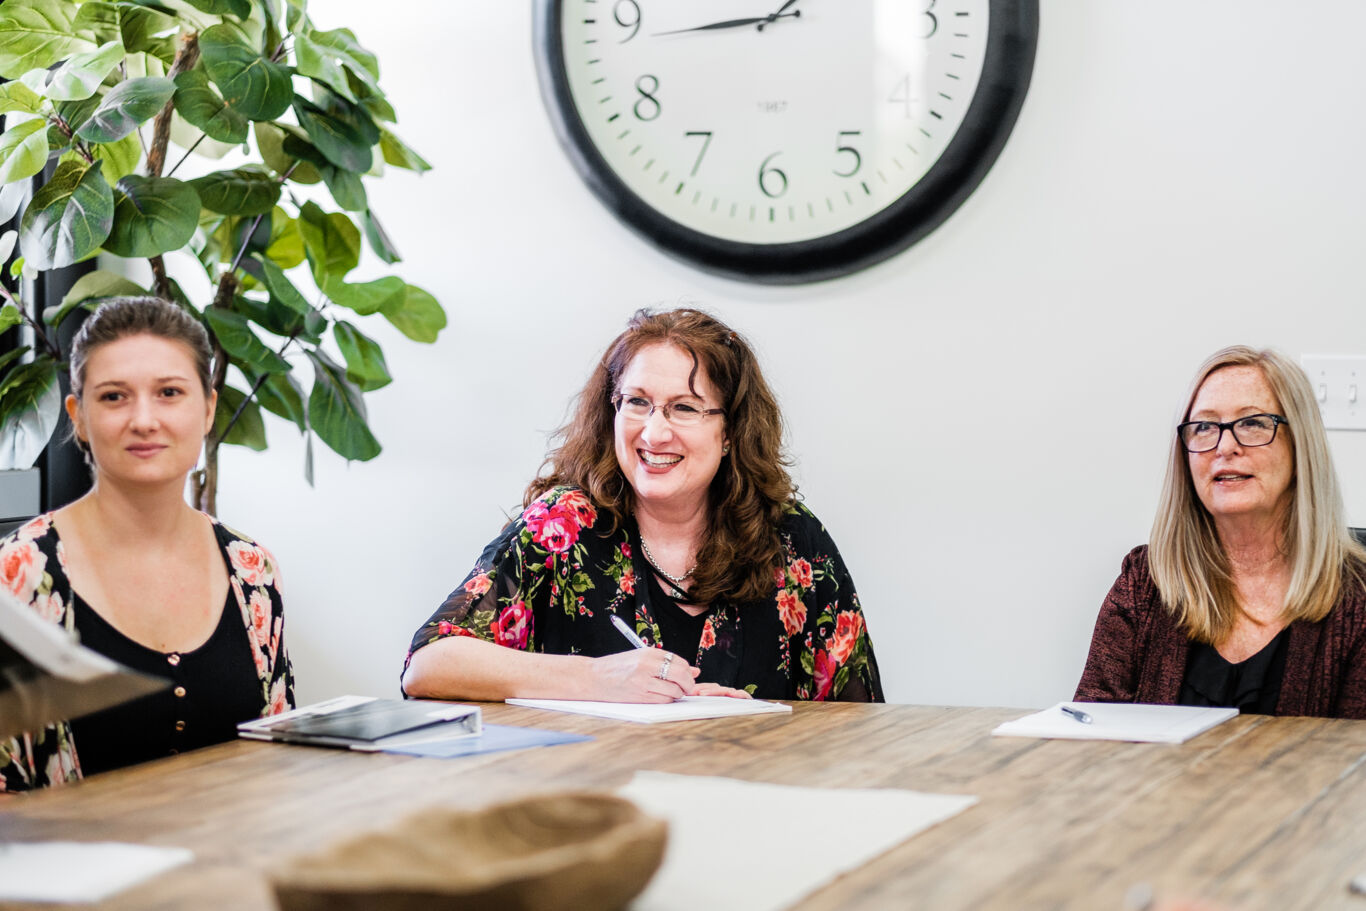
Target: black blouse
(1252,686)
(212,689)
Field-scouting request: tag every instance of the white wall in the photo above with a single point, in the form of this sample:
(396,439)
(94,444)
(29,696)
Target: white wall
(981,422)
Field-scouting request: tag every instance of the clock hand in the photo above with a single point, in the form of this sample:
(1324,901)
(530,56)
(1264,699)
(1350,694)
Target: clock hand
(758,21)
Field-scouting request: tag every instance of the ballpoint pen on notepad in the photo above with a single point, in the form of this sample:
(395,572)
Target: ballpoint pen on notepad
(1078,714)
(626,631)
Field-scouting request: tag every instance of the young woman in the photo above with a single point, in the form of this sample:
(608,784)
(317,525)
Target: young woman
(135,572)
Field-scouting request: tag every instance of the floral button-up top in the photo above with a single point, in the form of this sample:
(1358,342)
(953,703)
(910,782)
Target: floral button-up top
(552,579)
(33,570)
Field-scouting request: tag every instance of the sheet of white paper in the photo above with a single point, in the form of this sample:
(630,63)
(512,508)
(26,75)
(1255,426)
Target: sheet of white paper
(761,847)
(68,871)
(1132,722)
(689,708)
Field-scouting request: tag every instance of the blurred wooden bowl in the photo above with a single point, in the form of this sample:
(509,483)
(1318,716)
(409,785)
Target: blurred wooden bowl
(579,851)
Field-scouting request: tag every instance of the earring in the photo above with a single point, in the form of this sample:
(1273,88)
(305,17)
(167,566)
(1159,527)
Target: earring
(725,450)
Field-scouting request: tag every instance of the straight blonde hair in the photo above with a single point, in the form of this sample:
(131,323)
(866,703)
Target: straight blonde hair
(1186,558)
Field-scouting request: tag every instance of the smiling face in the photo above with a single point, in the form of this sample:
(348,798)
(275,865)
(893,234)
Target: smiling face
(668,467)
(1239,483)
(142,410)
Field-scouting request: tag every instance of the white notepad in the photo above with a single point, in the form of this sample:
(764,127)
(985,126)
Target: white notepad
(689,708)
(64,871)
(776,825)
(1136,723)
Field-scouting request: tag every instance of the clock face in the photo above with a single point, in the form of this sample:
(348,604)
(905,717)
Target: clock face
(781,141)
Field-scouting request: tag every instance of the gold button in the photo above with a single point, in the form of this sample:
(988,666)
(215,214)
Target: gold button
(172,659)
(179,691)
(180,725)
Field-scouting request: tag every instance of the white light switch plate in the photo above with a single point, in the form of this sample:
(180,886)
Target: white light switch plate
(1339,384)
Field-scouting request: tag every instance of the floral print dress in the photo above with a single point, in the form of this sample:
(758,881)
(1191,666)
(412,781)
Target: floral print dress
(33,570)
(552,579)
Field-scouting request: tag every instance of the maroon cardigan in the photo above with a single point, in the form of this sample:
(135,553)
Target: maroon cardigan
(1138,652)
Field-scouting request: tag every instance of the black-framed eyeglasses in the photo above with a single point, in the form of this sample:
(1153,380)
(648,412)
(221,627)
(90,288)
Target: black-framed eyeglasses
(1253,430)
(679,414)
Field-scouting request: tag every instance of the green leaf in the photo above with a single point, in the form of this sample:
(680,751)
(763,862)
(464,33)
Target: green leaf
(17,97)
(145,29)
(365,364)
(12,196)
(120,158)
(286,248)
(92,287)
(125,107)
(399,155)
(343,132)
(347,189)
(30,405)
(99,21)
(199,104)
(23,150)
(282,395)
(250,429)
(34,34)
(10,317)
(417,315)
(379,238)
(255,86)
(336,411)
(234,333)
(68,218)
(152,216)
(331,240)
(77,78)
(365,297)
(239,8)
(323,55)
(281,289)
(245,191)
(12,355)
(270,139)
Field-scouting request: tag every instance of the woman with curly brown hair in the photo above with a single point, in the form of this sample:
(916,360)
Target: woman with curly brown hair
(667,505)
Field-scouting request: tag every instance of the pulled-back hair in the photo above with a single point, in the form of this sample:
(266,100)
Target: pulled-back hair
(1188,562)
(121,317)
(751,489)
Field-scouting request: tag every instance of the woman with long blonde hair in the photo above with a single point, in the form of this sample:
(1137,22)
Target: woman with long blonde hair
(1252,590)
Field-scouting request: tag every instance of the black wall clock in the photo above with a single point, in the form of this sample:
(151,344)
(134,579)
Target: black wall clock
(784,142)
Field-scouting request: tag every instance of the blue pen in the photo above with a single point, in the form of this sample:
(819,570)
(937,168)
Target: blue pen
(626,631)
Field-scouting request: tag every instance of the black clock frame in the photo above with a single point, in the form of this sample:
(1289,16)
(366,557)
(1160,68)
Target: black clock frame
(1012,38)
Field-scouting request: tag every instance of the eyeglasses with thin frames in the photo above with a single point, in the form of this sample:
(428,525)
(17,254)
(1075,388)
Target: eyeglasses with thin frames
(679,414)
(1252,430)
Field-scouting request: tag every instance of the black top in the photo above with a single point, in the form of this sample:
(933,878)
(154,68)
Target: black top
(212,689)
(1252,686)
(679,631)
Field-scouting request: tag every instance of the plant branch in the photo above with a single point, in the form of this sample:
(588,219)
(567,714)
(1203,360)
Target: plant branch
(176,166)
(186,56)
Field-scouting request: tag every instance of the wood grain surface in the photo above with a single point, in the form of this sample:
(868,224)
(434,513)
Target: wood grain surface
(1259,813)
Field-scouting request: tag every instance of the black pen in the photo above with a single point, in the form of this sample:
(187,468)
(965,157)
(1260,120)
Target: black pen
(1076,713)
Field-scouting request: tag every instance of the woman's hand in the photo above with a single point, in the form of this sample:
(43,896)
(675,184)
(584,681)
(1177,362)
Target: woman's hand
(634,676)
(716,689)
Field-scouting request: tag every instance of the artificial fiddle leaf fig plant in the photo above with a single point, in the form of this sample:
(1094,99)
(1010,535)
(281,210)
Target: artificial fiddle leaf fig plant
(103,89)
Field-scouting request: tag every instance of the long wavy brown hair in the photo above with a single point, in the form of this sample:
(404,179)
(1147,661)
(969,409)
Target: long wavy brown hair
(751,489)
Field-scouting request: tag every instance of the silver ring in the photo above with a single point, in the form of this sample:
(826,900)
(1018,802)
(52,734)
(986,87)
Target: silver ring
(664,668)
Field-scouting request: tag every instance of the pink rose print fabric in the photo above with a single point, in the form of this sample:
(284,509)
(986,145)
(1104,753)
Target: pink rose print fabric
(552,578)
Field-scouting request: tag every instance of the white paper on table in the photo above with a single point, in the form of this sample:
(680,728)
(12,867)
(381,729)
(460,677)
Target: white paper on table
(69,871)
(688,708)
(1133,722)
(760,847)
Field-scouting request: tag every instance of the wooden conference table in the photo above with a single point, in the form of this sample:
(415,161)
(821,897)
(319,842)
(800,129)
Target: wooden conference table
(1258,813)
